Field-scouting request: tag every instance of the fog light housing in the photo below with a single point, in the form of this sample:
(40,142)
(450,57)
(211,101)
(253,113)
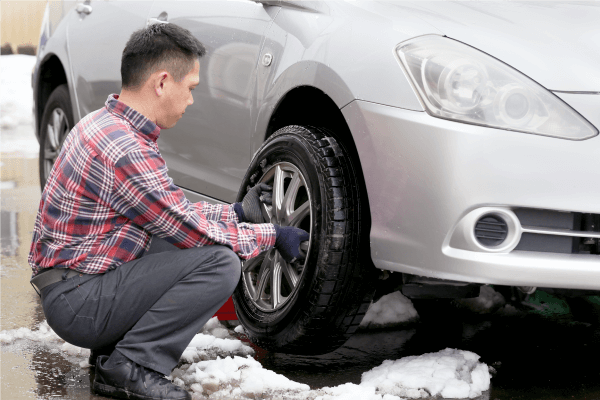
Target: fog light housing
(491,230)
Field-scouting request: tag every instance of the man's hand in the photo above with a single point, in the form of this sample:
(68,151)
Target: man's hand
(249,210)
(288,240)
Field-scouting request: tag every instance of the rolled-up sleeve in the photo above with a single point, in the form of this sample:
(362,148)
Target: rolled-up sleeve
(145,194)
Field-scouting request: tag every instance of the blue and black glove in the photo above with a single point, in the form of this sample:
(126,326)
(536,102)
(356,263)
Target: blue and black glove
(287,242)
(249,210)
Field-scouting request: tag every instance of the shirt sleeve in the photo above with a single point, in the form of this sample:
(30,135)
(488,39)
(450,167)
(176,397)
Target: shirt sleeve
(216,212)
(144,193)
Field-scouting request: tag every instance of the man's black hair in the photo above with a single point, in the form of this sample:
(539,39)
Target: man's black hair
(159,46)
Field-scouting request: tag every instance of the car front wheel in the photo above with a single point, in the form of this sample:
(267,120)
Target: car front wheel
(312,306)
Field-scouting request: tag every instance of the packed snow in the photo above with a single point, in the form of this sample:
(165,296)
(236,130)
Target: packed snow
(390,310)
(450,373)
(214,341)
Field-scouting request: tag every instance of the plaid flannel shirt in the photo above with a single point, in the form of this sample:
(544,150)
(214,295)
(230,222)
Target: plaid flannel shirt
(109,192)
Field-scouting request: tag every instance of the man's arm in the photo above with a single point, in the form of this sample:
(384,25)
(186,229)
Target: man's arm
(216,212)
(144,193)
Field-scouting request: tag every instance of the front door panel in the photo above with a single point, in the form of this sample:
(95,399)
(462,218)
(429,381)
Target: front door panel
(208,150)
(96,42)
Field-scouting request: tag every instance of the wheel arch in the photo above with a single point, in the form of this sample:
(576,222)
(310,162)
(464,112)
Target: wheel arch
(51,75)
(320,110)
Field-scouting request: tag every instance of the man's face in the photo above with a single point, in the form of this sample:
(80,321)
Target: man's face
(178,95)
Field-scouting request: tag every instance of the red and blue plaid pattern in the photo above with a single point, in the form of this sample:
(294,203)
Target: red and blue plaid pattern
(109,192)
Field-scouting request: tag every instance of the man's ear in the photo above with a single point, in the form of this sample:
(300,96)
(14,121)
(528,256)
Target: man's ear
(159,82)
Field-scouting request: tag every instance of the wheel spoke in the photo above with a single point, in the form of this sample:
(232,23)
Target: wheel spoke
(267,211)
(276,283)
(56,128)
(50,155)
(264,276)
(290,195)
(51,137)
(299,214)
(278,192)
(289,272)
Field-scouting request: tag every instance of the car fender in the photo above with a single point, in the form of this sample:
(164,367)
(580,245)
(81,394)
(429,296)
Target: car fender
(346,50)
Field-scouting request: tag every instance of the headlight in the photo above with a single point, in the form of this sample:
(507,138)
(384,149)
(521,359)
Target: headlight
(460,83)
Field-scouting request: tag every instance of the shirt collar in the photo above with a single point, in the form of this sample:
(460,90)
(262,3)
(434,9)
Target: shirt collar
(136,119)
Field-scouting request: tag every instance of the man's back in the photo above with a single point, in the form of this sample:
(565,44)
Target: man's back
(77,223)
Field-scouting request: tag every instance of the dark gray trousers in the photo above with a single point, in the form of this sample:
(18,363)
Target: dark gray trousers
(151,307)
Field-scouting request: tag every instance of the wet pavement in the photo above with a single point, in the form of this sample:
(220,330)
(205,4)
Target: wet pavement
(548,352)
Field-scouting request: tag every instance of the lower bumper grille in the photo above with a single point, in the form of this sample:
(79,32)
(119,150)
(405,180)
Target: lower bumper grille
(558,232)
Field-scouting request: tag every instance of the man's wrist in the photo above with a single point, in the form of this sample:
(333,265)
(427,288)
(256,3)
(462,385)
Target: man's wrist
(239,210)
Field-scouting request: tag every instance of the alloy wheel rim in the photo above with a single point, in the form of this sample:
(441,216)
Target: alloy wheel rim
(269,280)
(56,131)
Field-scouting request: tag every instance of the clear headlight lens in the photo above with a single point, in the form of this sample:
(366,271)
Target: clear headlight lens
(460,83)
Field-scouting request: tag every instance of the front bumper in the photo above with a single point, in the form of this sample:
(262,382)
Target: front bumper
(425,176)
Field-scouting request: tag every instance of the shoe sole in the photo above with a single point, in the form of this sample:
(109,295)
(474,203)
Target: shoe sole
(121,393)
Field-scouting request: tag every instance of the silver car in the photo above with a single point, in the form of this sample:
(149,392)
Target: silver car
(453,144)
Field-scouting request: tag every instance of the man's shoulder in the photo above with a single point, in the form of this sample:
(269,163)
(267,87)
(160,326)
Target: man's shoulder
(109,135)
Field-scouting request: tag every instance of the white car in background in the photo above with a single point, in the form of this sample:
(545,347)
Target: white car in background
(454,144)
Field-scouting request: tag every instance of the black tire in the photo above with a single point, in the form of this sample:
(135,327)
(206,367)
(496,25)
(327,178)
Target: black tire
(336,282)
(59,104)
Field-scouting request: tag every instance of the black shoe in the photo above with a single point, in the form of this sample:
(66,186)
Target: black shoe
(94,354)
(129,380)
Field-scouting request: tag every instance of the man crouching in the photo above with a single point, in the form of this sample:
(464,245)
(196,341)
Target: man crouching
(125,264)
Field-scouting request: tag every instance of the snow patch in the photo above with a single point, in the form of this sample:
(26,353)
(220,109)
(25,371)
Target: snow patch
(350,391)
(16,106)
(16,97)
(449,373)
(234,377)
(390,310)
(205,347)
(214,341)
(240,329)
(43,334)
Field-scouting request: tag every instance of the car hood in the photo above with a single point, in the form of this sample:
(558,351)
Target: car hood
(555,44)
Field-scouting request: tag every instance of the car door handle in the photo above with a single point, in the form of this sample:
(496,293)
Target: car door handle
(84,9)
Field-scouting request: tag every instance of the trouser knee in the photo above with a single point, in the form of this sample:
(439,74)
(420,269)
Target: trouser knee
(229,268)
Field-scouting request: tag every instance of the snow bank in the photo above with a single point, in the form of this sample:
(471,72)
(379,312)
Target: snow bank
(16,96)
(391,309)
